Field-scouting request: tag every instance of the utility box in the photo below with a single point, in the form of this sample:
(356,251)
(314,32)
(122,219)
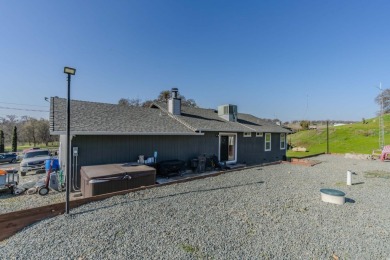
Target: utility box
(228,112)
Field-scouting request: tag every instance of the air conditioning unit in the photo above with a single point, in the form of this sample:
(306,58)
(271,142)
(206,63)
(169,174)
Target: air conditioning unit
(228,112)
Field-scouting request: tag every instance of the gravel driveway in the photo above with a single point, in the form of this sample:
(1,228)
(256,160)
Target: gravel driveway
(271,212)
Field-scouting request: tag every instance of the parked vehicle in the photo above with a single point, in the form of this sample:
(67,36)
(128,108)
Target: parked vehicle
(8,157)
(19,156)
(34,160)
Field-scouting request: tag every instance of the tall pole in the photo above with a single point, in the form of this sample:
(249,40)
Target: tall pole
(327,137)
(68,150)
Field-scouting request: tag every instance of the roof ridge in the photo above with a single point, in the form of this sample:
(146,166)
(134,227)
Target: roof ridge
(176,118)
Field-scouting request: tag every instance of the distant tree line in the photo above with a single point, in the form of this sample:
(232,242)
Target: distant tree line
(162,97)
(25,130)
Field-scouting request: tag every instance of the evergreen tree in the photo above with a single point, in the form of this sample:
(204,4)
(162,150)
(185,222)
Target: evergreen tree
(1,141)
(15,140)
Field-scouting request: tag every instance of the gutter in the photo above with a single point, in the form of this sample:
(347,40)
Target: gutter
(116,133)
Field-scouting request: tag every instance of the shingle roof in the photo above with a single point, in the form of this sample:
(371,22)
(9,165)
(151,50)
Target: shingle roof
(93,117)
(260,125)
(109,118)
(208,120)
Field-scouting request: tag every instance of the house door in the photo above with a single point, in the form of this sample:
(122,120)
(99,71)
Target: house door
(227,147)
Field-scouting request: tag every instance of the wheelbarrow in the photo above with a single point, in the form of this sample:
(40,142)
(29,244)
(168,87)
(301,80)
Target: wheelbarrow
(9,180)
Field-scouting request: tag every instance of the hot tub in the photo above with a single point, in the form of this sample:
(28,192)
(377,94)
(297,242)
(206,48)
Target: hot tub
(107,178)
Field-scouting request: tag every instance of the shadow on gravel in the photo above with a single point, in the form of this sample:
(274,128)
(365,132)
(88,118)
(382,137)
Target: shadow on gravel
(358,183)
(348,200)
(170,195)
(5,195)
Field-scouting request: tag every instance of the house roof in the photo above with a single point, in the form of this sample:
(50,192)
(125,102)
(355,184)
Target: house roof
(101,118)
(208,120)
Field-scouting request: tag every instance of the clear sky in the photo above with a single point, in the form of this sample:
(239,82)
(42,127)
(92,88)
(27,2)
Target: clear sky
(286,59)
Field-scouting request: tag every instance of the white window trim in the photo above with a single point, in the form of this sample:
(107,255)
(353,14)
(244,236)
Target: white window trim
(270,142)
(258,134)
(245,134)
(284,141)
(235,146)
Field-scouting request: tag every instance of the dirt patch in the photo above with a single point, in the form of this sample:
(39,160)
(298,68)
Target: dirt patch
(304,162)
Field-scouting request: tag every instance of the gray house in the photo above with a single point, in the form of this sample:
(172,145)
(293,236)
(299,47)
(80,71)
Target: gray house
(109,133)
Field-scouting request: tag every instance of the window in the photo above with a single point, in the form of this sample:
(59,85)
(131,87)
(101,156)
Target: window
(37,153)
(282,141)
(259,134)
(247,134)
(267,142)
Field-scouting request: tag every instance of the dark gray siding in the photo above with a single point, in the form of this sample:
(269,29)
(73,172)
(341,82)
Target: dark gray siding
(250,150)
(94,150)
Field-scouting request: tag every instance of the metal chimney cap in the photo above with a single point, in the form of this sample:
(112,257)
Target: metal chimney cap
(175,89)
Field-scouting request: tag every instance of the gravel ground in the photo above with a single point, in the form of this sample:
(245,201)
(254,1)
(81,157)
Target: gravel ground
(271,212)
(10,202)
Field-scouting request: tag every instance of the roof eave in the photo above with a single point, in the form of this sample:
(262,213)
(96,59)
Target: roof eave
(121,133)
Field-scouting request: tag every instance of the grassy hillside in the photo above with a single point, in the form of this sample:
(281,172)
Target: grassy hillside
(352,138)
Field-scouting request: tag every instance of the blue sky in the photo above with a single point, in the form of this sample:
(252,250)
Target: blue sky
(286,59)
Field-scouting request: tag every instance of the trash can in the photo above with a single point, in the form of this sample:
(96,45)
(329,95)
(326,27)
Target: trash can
(194,164)
(52,164)
(201,164)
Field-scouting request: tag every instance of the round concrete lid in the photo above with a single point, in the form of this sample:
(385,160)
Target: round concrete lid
(332,192)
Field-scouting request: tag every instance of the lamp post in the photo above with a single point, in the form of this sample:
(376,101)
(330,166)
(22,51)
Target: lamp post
(69,71)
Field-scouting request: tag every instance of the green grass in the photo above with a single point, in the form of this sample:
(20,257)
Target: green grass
(21,147)
(189,248)
(352,138)
(377,174)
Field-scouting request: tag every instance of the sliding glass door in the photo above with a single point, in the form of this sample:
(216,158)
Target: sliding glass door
(227,147)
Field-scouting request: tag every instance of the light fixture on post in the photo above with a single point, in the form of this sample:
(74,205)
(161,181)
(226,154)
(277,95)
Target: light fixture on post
(69,71)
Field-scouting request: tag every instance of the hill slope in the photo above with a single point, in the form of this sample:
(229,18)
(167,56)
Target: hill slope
(352,138)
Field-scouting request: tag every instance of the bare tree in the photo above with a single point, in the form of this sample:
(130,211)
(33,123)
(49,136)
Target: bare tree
(43,131)
(123,102)
(133,102)
(30,131)
(27,129)
(163,97)
(147,103)
(166,94)
(190,103)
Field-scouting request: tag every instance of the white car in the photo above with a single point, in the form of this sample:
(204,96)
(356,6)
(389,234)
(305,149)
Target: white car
(34,160)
